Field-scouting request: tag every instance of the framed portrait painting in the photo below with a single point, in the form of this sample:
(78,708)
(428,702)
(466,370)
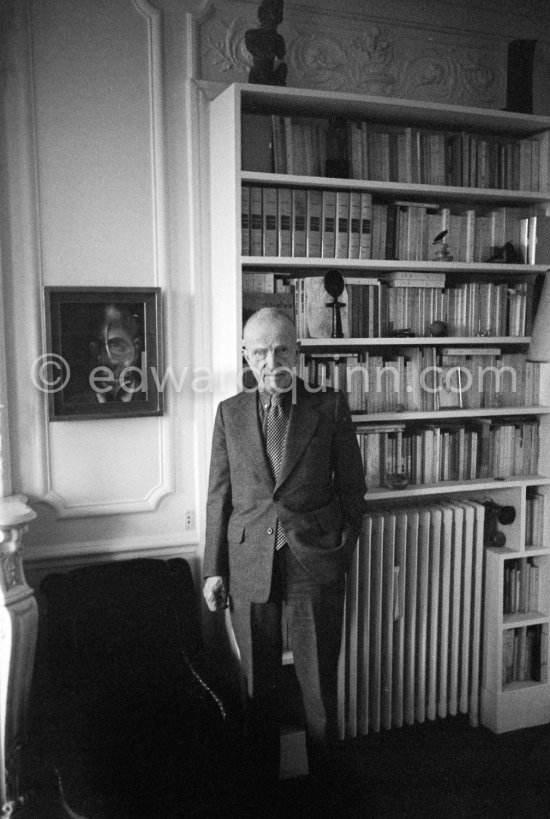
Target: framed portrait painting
(104,354)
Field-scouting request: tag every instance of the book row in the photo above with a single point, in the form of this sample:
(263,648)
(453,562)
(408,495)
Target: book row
(523,654)
(339,224)
(455,452)
(469,309)
(412,636)
(347,148)
(426,379)
(521,586)
(384,307)
(313,223)
(537,521)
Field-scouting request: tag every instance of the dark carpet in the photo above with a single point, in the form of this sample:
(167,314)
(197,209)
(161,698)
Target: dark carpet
(438,769)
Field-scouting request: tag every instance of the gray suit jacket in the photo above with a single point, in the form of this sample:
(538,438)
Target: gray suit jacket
(318,498)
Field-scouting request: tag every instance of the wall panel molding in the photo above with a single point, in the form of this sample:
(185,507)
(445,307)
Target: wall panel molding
(428,51)
(61,251)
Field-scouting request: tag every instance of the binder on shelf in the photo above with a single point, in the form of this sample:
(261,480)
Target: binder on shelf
(270,227)
(256,221)
(342,224)
(328,222)
(314,217)
(365,241)
(354,240)
(299,217)
(284,222)
(245,220)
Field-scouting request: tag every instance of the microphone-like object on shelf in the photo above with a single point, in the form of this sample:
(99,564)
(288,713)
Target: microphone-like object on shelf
(334,285)
(495,514)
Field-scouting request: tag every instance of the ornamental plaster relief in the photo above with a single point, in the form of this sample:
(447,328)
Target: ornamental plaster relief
(338,54)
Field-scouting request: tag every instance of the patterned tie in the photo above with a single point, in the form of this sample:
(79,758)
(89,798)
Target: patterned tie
(277,425)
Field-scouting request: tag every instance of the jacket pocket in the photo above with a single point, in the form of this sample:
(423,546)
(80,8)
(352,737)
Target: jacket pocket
(329,517)
(235,532)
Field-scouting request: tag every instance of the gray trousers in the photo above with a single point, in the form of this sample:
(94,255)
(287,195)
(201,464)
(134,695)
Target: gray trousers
(315,615)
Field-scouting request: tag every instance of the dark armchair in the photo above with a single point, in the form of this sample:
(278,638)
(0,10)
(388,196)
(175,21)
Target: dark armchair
(126,712)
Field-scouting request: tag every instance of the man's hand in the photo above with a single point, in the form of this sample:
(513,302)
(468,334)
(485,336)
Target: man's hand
(215,593)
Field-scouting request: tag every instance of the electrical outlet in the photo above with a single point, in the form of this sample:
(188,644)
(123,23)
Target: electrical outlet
(190,519)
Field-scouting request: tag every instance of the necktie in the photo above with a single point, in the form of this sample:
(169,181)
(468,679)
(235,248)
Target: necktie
(277,425)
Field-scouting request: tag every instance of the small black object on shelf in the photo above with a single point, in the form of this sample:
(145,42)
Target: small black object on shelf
(519,80)
(506,254)
(438,328)
(334,285)
(267,46)
(397,480)
(495,514)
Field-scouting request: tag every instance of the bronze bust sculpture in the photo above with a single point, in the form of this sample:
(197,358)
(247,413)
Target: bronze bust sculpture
(267,46)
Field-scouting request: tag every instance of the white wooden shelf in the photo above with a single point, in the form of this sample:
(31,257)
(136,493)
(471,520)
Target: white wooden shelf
(440,415)
(390,190)
(454,487)
(312,344)
(389,265)
(309,102)
(529,618)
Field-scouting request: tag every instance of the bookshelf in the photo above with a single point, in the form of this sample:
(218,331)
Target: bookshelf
(506,422)
(516,685)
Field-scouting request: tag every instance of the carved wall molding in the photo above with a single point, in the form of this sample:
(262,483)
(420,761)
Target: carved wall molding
(149,501)
(39,458)
(347,49)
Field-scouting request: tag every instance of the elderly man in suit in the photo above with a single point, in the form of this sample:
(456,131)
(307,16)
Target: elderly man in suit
(285,503)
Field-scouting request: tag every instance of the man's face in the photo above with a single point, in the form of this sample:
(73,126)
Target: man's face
(115,349)
(270,350)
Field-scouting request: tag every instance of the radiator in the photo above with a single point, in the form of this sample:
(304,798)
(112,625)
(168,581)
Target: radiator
(412,629)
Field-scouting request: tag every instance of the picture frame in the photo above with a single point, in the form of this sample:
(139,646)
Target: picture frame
(104,353)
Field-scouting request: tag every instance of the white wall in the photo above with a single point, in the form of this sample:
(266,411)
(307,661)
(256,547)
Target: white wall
(97,194)
(102,186)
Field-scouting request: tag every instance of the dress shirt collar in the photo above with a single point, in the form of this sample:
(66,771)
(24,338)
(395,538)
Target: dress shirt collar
(265,400)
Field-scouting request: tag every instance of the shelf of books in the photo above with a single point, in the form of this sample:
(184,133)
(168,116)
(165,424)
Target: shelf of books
(437,220)
(516,686)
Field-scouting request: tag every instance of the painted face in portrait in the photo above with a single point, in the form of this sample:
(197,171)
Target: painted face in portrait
(116,348)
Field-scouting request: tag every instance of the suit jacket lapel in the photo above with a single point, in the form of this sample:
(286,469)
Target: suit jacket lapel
(251,437)
(304,418)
